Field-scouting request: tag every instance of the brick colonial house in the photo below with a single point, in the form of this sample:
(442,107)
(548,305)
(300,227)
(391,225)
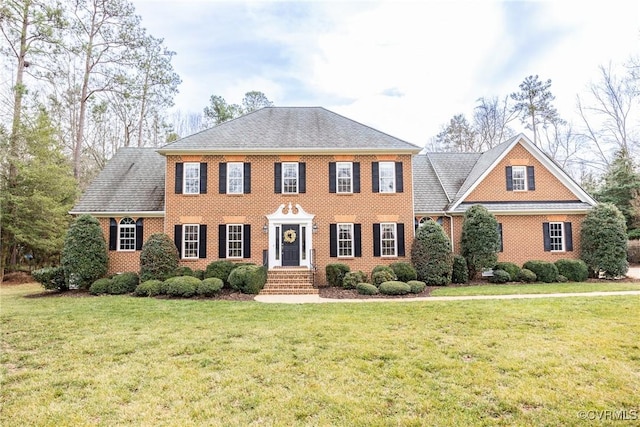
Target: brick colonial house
(303,187)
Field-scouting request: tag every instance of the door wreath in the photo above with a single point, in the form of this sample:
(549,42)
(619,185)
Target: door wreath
(289,236)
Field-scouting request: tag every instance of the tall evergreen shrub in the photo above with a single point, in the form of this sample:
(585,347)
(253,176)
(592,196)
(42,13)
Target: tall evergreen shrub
(431,254)
(480,241)
(84,254)
(603,241)
(158,258)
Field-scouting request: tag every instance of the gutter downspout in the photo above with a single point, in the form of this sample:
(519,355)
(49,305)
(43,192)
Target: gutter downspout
(444,213)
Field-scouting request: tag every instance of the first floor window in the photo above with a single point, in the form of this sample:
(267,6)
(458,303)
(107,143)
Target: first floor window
(387,173)
(234,240)
(556,236)
(191,178)
(344,175)
(235,178)
(127,235)
(388,242)
(519,178)
(345,240)
(190,240)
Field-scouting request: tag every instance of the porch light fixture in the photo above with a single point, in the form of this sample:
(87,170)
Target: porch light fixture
(265,228)
(315,227)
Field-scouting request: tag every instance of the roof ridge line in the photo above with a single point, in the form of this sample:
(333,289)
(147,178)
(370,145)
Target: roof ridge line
(438,177)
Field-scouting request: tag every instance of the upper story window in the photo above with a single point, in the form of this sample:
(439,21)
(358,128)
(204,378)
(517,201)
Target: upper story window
(127,235)
(190,241)
(387,177)
(191,178)
(235,178)
(344,176)
(290,178)
(519,177)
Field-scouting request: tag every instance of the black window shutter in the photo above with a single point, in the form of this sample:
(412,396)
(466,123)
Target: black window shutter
(202,243)
(222,241)
(177,238)
(568,237)
(302,178)
(203,178)
(400,238)
(531,178)
(500,237)
(356,177)
(222,178)
(375,177)
(357,240)
(113,234)
(547,237)
(179,173)
(246,241)
(399,178)
(277,177)
(333,240)
(139,234)
(376,239)
(332,177)
(247,178)
(509,178)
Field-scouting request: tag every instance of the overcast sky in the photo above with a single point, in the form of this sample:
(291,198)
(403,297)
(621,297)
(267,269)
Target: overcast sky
(404,68)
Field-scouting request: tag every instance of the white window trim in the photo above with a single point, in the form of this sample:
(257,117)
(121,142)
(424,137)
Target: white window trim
(338,240)
(131,225)
(186,166)
(184,241)
(524,174)
(297,169)
(350,167)
(392,166)
(241,166)
(562,237)
(229,241)
(395,239)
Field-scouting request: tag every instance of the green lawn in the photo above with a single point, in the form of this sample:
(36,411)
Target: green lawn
(119,360)
(536,288)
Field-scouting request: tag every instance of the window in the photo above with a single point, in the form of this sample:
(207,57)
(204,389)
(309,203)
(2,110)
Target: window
(127,235)
(387,175)
(344,175)
(345,240)
(190,240)
(191,178)
(235,178)
(556,236)
(388,239)
(234,240)
(289,178)
(519,177)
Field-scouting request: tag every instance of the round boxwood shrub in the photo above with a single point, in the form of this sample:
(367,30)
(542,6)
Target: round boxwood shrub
(404,271)
(603,241)
(123,283)
(220,269)
(366,289)
(562,279)
(394,287)
(575,270)
(184,271)
(209,287)
(50,278)
(459,272)
(352,278)
(248,279)
(545,271)
(499,276)
(84,254)
(158,258)
(527,276)
(381,276)
(150,288)
(431,254)
(335,273)
(386,268)
(181,286)
(510,268)
(416,286)
(100,286)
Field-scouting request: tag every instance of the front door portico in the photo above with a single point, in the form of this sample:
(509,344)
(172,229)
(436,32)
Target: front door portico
(290,237)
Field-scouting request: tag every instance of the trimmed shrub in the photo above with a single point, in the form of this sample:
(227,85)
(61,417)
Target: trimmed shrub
(248,279)
(199,274)
(381,276)
(181,286)
(220,269)
(123,283)
(562,279)
(100,286)
(158,258)
(150,288)
(209,287)
(603,241)
(50,278)
(459,272)
(480,241)
(545,271)
(404,271)
(574,270)
(394,287)
(184,271)
(366,289)
(352,278)
(386,268)
(431,254)
(499,276)
(526,276)
(416,286)
(510,268)
(335,273)
(84,254)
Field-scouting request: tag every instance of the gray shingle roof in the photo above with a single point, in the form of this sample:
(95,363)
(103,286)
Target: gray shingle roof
(550,206)
(290,129)
(132,181)
(453,169)
(428,194)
